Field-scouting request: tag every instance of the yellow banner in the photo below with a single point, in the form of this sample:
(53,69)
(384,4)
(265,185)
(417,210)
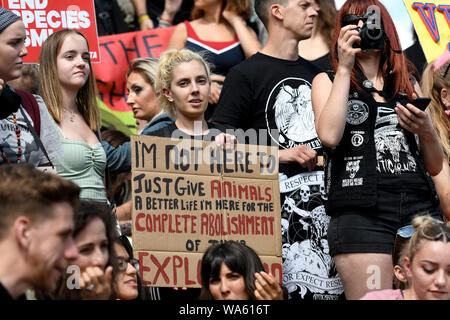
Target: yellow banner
(431,21)
(122,121)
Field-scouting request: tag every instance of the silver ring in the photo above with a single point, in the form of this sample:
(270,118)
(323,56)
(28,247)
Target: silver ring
(90,287)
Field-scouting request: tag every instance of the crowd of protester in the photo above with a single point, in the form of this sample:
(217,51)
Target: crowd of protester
(346,109)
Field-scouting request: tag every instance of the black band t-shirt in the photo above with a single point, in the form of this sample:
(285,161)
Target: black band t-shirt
(273,96)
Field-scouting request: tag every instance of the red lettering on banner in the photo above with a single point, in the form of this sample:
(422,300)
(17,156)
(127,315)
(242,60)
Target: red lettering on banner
(43,18)
(193,225)
(175,266)
(118,50)
(243,192)
(177,223)
(186,273)
(276,269)
(225,189)
(179,266)
(235,225)
(253,194)
(160,268)
(143,268)
(139,216)
(268,194)
(164,219)
(213,225)
(216,187)
(429,20)
(445,10)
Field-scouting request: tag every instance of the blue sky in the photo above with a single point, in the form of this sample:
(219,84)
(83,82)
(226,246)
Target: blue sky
(401,18)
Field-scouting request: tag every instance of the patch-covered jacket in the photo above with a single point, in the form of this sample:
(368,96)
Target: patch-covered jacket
(350,167)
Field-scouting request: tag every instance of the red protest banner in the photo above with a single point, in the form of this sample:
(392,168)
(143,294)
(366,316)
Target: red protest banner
(117,51)
(43,17)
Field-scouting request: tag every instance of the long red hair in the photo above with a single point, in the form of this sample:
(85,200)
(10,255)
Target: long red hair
(390,63)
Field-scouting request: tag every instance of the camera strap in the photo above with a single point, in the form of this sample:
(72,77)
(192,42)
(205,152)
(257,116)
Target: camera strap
(367,85)
(386,39)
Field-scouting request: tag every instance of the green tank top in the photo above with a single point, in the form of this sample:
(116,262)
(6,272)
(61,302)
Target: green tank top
(84,165)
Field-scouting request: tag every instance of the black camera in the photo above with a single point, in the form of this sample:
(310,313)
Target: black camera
(371,32)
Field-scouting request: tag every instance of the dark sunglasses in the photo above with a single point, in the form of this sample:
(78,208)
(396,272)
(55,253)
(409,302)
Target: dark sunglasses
(354,19)
(406,232)
(122,263)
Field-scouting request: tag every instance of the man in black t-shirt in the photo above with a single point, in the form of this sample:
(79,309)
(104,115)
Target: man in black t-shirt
(271,92)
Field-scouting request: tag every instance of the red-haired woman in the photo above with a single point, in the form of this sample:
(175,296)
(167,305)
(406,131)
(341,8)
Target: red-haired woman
(379,149)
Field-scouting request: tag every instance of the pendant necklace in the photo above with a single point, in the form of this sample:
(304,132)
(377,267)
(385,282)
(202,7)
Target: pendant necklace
(368,84)
(72,115)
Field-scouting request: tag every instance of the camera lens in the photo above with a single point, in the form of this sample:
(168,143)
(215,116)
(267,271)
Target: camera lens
(373,32)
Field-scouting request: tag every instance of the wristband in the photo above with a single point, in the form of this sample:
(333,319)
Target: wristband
(164,24)
(165,21)
(143,17)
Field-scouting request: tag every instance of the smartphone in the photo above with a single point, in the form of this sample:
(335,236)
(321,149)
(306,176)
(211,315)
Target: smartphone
(421,103)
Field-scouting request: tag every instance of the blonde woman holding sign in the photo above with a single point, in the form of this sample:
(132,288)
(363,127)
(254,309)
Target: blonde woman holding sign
(184,85)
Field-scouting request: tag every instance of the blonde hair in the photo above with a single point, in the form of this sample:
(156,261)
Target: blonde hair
(427,228)
(432,84)
(168,61)
(146,67)
(50,87)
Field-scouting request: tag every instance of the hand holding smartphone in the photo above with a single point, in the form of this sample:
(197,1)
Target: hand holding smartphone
(421,103)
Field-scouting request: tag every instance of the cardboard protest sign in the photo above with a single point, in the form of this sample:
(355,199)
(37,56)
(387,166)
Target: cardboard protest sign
(189,194)
(117,51)
(43,17)
(183,269)
(431,21)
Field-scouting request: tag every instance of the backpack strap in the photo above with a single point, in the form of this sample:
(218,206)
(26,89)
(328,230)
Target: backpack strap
(36,137)
(31,106)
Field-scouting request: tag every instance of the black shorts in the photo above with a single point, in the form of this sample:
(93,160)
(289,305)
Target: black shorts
(373,230)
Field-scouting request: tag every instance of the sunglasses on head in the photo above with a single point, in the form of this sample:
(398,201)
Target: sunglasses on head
(406,232)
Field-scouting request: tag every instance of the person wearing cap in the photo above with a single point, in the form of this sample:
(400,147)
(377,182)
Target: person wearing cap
(27,134)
